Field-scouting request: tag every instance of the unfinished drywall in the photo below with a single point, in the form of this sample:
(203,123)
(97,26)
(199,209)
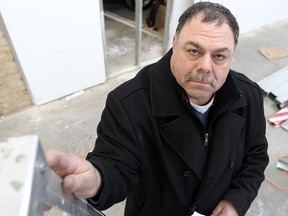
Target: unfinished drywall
(58,45)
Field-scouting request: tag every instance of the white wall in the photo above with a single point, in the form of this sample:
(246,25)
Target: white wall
(251,14)
(58,44)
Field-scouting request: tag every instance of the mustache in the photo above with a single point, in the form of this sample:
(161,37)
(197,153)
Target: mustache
(200,77)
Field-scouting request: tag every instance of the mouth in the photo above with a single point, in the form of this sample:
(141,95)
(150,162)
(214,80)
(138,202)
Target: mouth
(201,82)
(200,79)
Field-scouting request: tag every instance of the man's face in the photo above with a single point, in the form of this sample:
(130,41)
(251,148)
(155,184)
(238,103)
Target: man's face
(201,58)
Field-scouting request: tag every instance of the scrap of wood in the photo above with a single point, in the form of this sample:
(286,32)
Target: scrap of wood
(273,53)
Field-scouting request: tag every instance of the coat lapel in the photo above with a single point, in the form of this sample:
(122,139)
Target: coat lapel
(226,131)
(180,135)
(176,126)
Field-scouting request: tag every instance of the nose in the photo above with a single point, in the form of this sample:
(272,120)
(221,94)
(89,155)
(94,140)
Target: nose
(204,64)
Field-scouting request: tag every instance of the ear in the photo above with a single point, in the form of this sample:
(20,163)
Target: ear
(174,42)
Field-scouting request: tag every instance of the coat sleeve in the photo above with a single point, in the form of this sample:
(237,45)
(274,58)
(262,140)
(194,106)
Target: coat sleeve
(245,185)
(115,155)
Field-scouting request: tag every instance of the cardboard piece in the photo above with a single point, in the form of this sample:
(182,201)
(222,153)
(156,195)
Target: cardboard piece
(273,53)
(160,17)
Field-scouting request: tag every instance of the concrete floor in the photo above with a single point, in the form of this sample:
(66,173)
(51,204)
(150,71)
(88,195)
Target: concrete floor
(69,124)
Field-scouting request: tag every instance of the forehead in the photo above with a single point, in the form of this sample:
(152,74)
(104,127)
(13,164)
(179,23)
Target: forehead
(209,34)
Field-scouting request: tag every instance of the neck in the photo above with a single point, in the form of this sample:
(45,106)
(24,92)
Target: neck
(202,108)
(201,102)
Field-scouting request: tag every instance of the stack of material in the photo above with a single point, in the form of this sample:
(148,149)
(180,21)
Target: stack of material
(275,86)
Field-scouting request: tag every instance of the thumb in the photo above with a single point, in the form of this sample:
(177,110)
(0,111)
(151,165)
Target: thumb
(70,184)
(82,185)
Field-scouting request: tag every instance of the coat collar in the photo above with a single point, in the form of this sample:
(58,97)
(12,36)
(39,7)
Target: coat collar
(164,98)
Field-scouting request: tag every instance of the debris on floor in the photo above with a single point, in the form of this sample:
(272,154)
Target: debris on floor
(279,117)
(285,125)
(273,53)
(282,163)
(275,87)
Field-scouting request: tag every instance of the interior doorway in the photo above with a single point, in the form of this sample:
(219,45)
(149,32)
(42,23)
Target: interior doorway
(120,36)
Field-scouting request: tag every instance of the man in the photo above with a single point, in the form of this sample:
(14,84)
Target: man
(186,135)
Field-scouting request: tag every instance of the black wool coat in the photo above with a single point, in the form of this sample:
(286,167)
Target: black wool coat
(152,149)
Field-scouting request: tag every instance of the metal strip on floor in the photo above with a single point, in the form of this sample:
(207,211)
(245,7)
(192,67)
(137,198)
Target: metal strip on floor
(274,80)
(276,87)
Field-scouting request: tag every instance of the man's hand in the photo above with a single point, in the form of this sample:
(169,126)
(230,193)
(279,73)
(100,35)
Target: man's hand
(80,177)
(225,208)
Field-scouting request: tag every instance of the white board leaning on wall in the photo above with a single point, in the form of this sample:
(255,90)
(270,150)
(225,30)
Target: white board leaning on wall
(58,44)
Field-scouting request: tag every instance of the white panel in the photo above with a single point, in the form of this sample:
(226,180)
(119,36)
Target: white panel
(58,44)
(252,14)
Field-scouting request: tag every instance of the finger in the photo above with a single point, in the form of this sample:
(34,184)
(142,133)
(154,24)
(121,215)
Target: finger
(59,162)
(218,214)
(54,158)
(47,207)
(218,210)
(69,184)
(83,185)
(74,184)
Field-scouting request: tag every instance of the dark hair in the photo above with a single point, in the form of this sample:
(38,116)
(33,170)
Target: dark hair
(212,12)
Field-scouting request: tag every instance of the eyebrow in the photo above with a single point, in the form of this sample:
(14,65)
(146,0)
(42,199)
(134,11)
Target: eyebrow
(198,46)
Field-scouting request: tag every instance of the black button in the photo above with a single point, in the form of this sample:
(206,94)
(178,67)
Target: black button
(187,174)
(231,164)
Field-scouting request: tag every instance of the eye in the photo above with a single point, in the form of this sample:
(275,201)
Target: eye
(194,52)
(219,57)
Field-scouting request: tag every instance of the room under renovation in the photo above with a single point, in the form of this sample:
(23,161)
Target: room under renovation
(60,60)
